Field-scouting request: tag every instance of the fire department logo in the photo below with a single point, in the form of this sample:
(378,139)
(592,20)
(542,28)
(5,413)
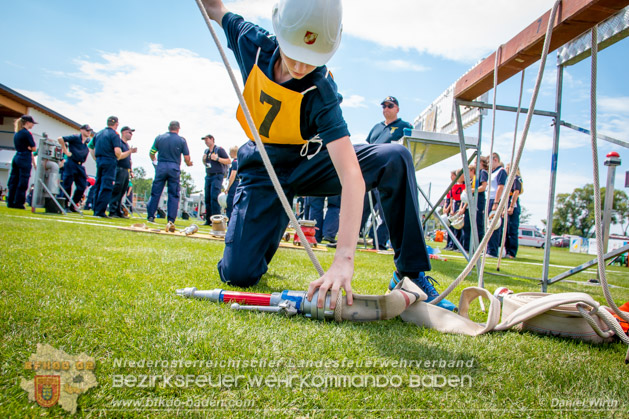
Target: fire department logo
(47,389)
(310,37)
(59,377)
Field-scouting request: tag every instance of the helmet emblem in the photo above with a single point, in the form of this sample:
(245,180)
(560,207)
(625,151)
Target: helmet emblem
(310,37)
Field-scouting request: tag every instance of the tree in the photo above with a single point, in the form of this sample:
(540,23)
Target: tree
(187,182)
(574,212)
(621,207)
(525,215)
(141,185)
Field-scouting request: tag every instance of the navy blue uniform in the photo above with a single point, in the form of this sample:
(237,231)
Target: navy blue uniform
(232,189)
(466,238)
(73,169)
(121,184)
(513,220)
(258,220)
(106,162)
(169,148)
(21,166)
(499,177)
(214,174)
(382,133)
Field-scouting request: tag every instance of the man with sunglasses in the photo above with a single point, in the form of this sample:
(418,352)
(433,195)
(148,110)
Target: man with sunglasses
(385,132)
(392,128)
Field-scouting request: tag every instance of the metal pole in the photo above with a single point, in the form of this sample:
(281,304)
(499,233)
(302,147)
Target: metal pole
(466,173)
(553,178)
(448,188)
(613,160)
(445,225)
(484,105)
(63,211)
(374,223)
(40,172)
(70,200)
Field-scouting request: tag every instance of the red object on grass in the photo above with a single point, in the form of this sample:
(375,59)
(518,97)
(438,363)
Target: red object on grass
(246,298)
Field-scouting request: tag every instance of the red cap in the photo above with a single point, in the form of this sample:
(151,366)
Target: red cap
(613,154)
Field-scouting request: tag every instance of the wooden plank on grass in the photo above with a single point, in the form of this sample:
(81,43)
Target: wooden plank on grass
(205,236)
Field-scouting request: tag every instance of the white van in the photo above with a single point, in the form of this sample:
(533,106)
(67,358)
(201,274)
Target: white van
(530,236)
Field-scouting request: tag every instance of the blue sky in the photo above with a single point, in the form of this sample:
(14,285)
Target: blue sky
(152,61)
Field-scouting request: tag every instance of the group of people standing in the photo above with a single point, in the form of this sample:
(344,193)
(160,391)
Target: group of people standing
(456,204)
(111,151)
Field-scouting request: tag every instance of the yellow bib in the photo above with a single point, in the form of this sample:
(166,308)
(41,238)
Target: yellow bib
(275,110)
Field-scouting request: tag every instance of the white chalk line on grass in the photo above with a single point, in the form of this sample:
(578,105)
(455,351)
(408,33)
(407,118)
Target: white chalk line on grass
(116,226)
(59,220)
(507,262)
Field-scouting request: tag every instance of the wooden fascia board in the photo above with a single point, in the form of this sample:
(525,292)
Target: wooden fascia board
(574,17)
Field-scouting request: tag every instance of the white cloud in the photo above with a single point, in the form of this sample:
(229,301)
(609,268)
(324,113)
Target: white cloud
(148,89)
(614,104)
(457,29)
(353,101)
(401,65)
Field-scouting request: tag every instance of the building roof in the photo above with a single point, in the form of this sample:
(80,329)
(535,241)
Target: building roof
(14,104)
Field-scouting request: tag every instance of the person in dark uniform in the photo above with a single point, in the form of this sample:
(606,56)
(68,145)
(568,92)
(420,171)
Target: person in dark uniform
(295,106)
(513,215)
(122,173)
(232,181)
(75,147)
(168,147)
(215,160)
(391,130)
(22,162)
(107,149)
(498,181)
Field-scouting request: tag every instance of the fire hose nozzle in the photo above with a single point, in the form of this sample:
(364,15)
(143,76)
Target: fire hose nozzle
(186,292)
(192,292)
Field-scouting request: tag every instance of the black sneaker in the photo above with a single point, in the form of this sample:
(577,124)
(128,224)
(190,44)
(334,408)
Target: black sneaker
(329,240)
(151,220)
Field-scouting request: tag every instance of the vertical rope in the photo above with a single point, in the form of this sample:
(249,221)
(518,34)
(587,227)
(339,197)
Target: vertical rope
(265,158)
(515,140)
(516,163)
(598,228)
(491,151)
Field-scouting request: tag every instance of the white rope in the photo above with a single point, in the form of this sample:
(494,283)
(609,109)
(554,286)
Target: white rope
(597,194)
(261,149)
(516,162)
(491,151)
(515,140)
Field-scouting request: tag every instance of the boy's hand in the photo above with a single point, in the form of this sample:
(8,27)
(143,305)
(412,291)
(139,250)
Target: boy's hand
(338,276)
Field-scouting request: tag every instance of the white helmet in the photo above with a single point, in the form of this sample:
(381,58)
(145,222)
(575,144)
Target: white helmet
(222,199)
(308,30)
(490,218)
(457,221)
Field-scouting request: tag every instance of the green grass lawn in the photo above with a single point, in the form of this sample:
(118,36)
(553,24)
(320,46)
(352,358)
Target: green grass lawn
(81,287)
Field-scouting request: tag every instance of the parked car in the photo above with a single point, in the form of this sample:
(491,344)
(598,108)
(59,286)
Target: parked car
(530,236)
(560,241)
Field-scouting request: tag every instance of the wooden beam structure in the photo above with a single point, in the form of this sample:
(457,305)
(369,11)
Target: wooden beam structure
(574,17)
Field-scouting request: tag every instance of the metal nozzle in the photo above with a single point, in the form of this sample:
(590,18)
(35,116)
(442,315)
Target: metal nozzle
(186,292)
(192,292)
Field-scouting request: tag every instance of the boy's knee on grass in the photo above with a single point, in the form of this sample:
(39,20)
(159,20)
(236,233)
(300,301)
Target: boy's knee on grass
(237,276)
